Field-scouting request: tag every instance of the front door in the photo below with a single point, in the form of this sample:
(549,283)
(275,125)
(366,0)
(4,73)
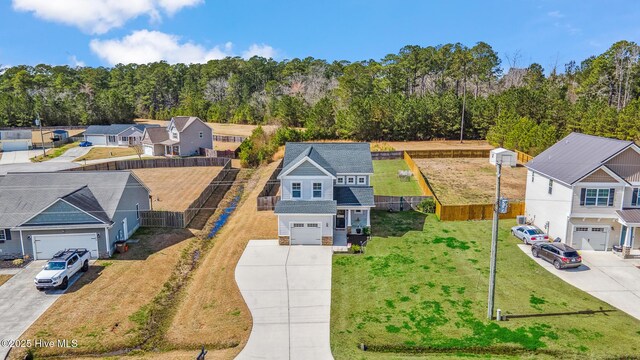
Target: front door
(341,221)
(623,235)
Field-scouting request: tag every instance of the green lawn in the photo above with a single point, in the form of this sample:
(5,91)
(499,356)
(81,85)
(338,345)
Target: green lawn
(55,152)
(421,288)
(385,179)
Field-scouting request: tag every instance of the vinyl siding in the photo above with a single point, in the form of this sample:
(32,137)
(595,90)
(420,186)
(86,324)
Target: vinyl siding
(627,165)
(609,211)
(600,176)
(307,169)
(190,141)
(134,193)
(542,207)
(307,188)
(62,213)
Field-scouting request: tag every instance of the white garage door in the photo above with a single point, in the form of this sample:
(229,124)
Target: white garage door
(97,139)
(148,149)
(306,234)
(47,245)
(590,238)
(15,145)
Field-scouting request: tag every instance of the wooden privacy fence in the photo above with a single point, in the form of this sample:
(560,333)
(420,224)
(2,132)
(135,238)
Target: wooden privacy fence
(180,219)
(397,203)
(452,153)
(475,211)
(523,158)
(267,198)
(386,155)
(228,138)
(424,186)
(154,163)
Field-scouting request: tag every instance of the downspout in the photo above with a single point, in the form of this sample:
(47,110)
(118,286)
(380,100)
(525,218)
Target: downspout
(21,243)
(106,240)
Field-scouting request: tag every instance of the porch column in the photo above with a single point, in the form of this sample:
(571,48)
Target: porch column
(369,217)
(627,238)
(348,211)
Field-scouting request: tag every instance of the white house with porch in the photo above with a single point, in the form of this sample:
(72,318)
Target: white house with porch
(585,190)
(326,194)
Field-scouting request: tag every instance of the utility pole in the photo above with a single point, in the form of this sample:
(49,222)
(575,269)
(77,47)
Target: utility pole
(464,100)
(494,241)
(39,123)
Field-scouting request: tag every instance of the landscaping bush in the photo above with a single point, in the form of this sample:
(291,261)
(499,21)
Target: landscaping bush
(356,249)
(18,262)
(427,205)
(260,146)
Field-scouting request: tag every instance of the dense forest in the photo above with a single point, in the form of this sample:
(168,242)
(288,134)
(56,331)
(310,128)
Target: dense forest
(418,93)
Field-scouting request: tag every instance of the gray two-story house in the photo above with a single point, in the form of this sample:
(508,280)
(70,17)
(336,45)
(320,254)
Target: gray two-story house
(586,191)
(326,193)
(183,136)
(43,213)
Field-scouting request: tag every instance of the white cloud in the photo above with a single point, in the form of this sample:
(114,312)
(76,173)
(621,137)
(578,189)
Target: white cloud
(100,16)
(75,62)
(146,46)
(555,14)
(263,50)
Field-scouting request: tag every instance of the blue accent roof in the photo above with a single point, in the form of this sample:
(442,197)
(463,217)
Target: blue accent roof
(354,196)
(306,207)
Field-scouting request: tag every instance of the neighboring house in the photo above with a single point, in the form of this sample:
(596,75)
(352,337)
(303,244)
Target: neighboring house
(115,134)
(42,213)
(59,135)
(584,190)
(326,194)
(184,136)
(15,139)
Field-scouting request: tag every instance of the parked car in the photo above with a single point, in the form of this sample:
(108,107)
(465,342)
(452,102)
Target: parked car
(86,144)
(560,255)
(529,234)
(61,268)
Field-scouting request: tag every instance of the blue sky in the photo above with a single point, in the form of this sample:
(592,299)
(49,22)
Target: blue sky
(105,32)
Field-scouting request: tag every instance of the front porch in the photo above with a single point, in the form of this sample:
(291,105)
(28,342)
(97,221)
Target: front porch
(627,247)
(351,226)
(172,150)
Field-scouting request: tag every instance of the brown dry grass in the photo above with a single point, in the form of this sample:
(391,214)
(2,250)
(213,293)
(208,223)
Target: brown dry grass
(219,145)
(174,189)
(471,181)
(97,310)
(36,139)
(222,354)
(218,128)
(213,311)
(440,145)
(4,279)
(107,153)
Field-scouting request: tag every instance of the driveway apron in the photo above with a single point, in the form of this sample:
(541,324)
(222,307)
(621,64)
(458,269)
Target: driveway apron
(288,290)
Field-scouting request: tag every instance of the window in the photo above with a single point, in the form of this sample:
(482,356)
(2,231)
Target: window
(296,190)
(596,197)
(317,190)
(533,175)
(362,180)
(550,186)
(112,139)
(351,180)
(201,134)
(2,235)
(635,197)
(340,180)
(583,229)
(357,211)
(597,229)
(124,138)
(298,225)
(137,211)
(313,225)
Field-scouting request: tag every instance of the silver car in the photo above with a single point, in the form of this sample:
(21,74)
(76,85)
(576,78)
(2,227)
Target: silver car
(529,234)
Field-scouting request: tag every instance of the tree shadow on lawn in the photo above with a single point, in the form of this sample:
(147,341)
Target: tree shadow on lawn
(396,224)
(579,312)
(147,241)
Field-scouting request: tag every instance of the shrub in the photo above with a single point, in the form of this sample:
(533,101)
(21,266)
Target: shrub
(427,205)
(356,249)
(18,262)
(260,146)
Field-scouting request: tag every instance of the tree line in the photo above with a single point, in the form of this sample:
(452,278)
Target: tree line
(419,93)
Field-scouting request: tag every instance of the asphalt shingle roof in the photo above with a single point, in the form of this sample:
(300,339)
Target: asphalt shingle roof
(84,200)
(23,195)
(183,121)
(337,158)
(354,195)
(113,129)
(575,156)
(306,207)
(157,135)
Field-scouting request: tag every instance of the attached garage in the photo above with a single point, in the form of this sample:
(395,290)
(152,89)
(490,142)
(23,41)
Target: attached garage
(15,145)
(148,149)
(309,233)
(590,237)
(45,246)
(96,139)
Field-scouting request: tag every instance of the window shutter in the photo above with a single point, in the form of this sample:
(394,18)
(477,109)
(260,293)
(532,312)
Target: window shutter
(634,197)
(612,193)
(583,195)
(7,234)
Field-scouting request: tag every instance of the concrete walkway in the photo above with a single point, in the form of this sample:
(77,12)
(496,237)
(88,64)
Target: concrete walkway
(21,304)
(603,275)
(71,154)
(288,290)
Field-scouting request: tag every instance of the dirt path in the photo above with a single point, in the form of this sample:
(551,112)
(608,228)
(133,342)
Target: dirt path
(212,311)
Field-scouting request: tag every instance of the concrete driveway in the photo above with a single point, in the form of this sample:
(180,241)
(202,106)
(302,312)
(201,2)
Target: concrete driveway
(17,157)
(603,275)
(288,290)
(71,154)
(21,304)
(45,166)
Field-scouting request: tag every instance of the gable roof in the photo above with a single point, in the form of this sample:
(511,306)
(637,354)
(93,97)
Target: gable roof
(182,122)
(60,131)
(157,134)
(114,129)
(23,195)
(575,156)
(336,158)
(305,207)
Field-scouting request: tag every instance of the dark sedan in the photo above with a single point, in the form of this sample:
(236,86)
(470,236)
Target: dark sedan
(560,255)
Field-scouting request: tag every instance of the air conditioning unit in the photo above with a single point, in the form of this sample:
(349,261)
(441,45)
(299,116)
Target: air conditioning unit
(521,219)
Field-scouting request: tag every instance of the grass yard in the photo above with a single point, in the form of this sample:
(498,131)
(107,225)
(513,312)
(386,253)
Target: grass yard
(421,288)
(174,189)
(385,179)
(472,180)
(55,152)
(106,309)
(4,278)
(97,153)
